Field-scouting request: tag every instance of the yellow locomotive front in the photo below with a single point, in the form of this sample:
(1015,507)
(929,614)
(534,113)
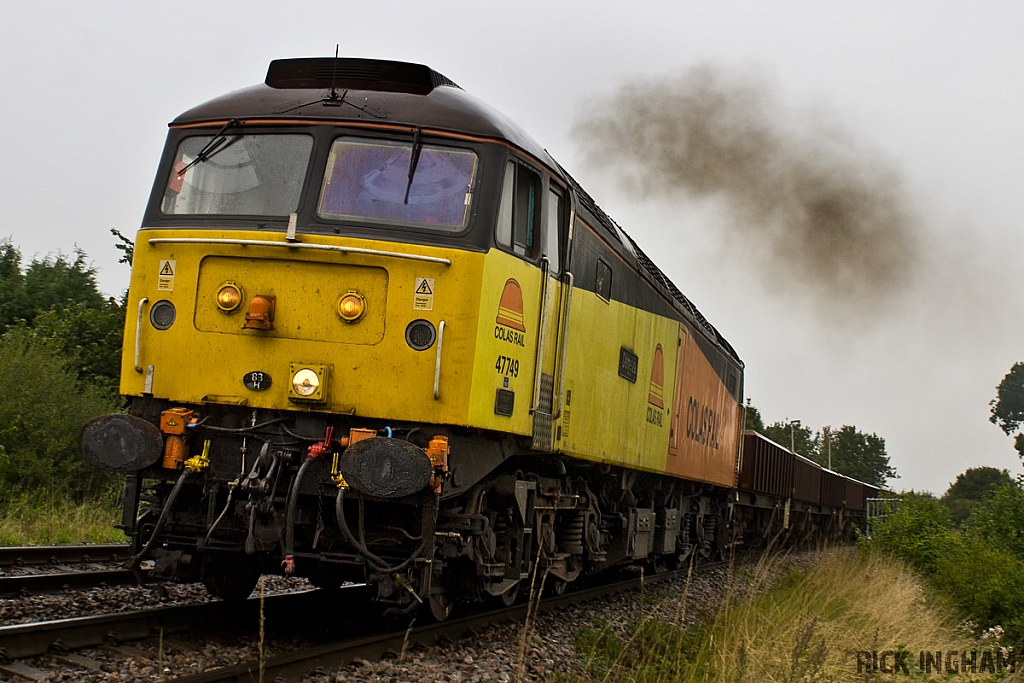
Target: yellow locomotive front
(317,306)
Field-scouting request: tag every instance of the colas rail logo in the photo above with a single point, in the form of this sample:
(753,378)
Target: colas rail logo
(509,326)
(656,395)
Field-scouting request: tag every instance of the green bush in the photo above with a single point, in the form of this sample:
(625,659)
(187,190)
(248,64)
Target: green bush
(919,532)
(998,520)
(979,570)
(983,582)
(42,410)
(90,337)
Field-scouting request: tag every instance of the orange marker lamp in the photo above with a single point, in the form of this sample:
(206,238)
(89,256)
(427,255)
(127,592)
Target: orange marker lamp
(229,297)
(351,306)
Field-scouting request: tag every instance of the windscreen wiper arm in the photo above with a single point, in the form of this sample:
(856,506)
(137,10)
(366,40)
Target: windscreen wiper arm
(414,160)
(216,144)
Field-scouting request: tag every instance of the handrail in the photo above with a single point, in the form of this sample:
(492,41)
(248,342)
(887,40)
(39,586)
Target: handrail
(545,267)
(138,335)
(437,362)
(563,333)
(298,245)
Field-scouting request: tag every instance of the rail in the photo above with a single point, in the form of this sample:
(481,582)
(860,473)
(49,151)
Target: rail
(19,556)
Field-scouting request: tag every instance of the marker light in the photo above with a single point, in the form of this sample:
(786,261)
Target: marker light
(261,313)
(305,382)
(229,298)
(351,307)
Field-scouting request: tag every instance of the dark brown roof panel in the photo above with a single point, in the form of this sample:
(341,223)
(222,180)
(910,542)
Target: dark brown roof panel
(365,90)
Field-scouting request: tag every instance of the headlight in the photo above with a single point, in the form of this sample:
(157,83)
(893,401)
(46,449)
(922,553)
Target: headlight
(351,307)
(305,382)
(229,298)
(308,383)
(420,335)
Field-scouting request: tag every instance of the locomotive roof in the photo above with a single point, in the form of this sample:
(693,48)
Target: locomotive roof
(368,91)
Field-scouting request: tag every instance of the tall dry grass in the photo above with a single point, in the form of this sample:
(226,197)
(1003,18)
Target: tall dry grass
(784,622)
(812,624)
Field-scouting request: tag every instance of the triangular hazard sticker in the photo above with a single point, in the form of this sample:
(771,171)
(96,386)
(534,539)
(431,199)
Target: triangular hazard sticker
(166,269)
(424,287)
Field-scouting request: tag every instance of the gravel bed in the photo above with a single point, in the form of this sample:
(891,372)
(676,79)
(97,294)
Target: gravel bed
(494,653)
(74,603)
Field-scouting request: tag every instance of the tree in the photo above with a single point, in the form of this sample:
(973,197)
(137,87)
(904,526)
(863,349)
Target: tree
(56,301)
(971,487)
(125,246)
(752,418)
(1008,406)
(793,434)
(860,456)
(976,483)
(54,282)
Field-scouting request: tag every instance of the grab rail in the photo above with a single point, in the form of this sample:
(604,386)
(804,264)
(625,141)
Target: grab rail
(437,361)
(545,267)
(138,335)
(299,245)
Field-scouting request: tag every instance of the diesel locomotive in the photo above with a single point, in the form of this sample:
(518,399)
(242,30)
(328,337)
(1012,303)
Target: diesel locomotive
(377,334)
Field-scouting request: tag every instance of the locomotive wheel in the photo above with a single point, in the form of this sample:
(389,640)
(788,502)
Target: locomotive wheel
(230,578)
(508,598)
(557,586)
(441,606)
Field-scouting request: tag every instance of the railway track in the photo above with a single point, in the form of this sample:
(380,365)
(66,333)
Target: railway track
(22,556)
(328,615)
(45,569)
(35,584)
(293,665)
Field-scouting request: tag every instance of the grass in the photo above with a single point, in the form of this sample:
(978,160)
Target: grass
(807,625)
(49,518)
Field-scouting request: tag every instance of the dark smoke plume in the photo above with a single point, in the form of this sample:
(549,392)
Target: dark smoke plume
(812,209)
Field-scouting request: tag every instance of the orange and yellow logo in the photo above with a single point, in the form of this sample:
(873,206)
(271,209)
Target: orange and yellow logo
(510,308)
(656,397)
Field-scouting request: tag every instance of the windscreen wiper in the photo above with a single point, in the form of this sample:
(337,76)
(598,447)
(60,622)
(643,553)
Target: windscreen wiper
(414,160)
(216,144)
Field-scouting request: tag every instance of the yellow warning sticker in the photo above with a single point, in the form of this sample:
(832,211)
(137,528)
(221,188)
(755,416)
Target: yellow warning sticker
(423,297)
(165,279)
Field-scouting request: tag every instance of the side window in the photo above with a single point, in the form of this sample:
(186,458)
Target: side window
(503,231)
(553,229)
(525,212)
(519,212)
(603,281)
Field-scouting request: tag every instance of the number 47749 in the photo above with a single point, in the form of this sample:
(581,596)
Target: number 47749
(507,366)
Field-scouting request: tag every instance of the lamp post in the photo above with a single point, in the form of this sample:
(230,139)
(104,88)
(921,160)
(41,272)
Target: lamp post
(828,444)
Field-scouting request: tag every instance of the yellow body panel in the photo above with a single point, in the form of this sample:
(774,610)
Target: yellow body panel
(203,357)
(606,417)
(507,341)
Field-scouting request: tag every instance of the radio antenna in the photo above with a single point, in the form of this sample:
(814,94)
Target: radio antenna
(334,74)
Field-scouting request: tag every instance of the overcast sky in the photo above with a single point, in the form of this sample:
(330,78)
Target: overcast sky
(931,90)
